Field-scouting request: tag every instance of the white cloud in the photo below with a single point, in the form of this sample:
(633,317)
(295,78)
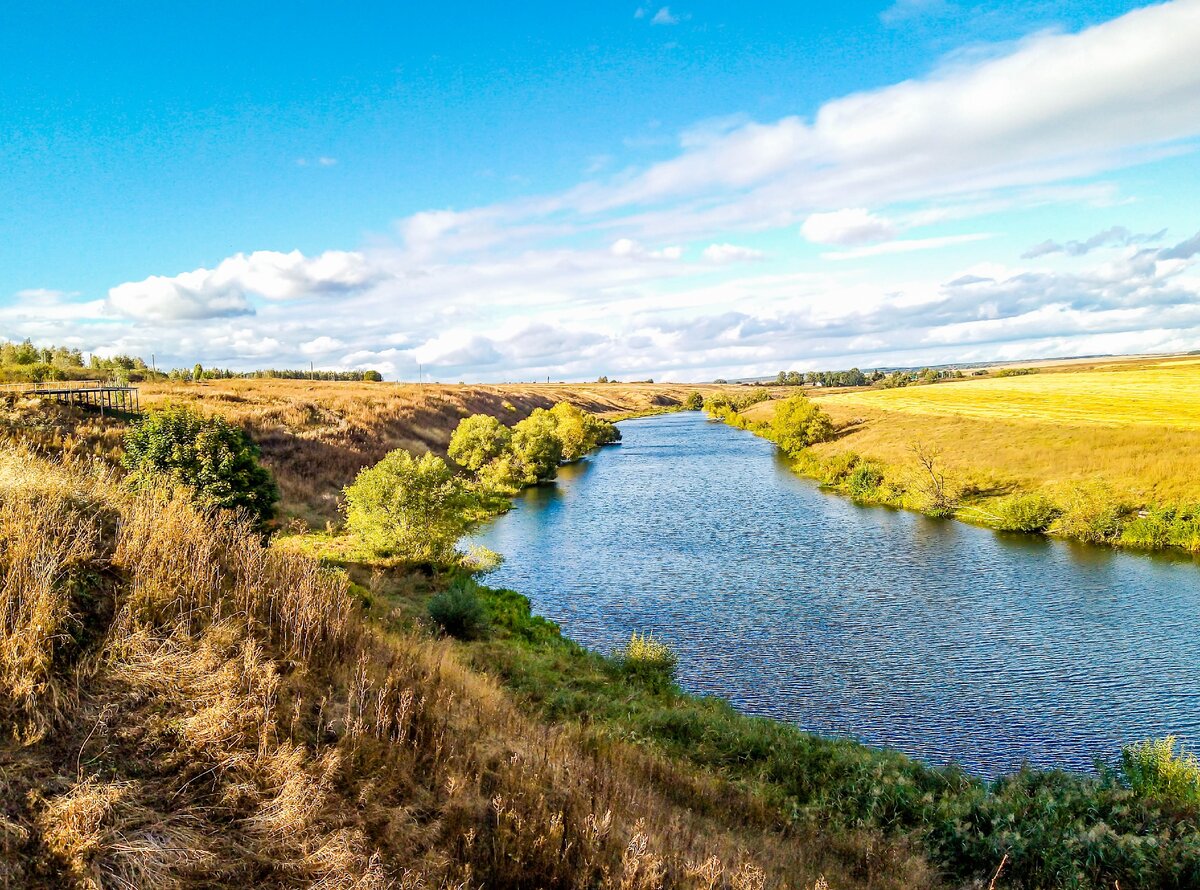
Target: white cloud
(850,226)
(627,247)
(731,253)
(479,292)
(907,245)
(321,346)
(224,291)
(1055,107)
(664,17)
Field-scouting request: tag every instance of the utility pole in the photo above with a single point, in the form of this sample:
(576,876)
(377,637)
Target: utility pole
(312,374)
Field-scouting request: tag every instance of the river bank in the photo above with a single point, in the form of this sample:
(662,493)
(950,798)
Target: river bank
(965,468)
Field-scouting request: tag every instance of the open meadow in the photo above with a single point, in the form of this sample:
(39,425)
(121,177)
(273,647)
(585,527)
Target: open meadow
(1130,425)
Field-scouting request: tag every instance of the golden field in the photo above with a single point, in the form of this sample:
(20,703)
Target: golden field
(1133,425)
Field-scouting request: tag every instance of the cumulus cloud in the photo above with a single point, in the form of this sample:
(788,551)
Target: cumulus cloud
(483,292)
(225,290)
(1117,236)
(1056,106)
(731,253)
(851,226)
(665,17)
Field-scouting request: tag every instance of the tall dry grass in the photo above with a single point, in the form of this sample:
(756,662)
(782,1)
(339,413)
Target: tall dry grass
(193,708)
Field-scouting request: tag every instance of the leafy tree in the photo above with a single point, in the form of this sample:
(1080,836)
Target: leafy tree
(693,402)
(214,460)
(536,445)
(798,423)
(571,430)
(412,507)
(478,440)
(198,372)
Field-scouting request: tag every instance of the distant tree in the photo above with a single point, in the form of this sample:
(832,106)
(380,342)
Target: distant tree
(411,507)
(198,372)
(372,377)
(209,457)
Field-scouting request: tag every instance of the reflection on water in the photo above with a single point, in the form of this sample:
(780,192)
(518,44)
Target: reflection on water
(945,641)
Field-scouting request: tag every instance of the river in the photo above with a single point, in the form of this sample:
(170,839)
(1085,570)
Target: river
(940,639)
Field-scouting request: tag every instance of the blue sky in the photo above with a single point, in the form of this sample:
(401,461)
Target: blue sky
(681,191)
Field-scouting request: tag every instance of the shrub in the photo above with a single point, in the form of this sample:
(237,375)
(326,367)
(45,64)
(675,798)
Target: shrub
(1166,526)
(798,423)
(459,611)
(1153,769)
(572,431)
(693,402)
(410,507)
(1092,514)
(1025,513)
(477,440)
(649,661)
(214,460)
(838,467)
(865,480)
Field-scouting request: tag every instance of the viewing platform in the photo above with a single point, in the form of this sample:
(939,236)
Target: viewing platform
(85,393)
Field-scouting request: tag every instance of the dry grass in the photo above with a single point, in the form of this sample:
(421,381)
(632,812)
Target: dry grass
(190,708)
(315,436)
(1133,426)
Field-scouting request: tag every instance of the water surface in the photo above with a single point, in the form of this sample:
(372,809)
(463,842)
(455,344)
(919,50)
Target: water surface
(940,639)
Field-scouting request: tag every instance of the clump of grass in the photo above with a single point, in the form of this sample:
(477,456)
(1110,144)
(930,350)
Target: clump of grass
(1024,513)
(865,480)
(649,661)
(459,611)
(1090,513)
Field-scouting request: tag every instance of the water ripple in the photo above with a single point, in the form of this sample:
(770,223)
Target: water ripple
(945,641)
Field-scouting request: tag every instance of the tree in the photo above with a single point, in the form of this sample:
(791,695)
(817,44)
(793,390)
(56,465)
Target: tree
(478,440)
(207,456)
(412,507)
(198,372)
(693,402)
(372,376)
(798,423)
(572,431)
(536,445)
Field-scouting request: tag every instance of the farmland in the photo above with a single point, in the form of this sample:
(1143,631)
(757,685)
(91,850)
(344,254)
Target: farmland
(1132,426)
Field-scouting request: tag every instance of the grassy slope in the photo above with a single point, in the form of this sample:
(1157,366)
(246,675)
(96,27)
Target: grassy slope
(1133,425)
(184,707)
(316,436)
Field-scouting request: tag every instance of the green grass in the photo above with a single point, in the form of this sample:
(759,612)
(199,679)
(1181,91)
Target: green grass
(1057,829)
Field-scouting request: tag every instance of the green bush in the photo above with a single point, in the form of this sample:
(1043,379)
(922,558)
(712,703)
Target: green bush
(693,402)
(1091,513)
(864,481)
(459,611)
(798,423)
(209,457)
(1024,513)
(410,507)
(478,440)
(1165,526)
(1152,768)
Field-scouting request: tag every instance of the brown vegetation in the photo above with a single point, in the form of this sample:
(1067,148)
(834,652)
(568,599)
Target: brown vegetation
(185,706)
(316,436)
